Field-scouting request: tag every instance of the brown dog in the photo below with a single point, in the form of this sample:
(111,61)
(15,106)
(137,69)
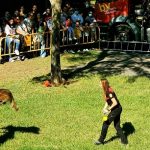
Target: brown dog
(6,96)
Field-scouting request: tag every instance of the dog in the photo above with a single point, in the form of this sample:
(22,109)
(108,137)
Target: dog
(7,96)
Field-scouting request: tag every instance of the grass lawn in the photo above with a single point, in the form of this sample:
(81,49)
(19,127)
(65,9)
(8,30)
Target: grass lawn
(69,117)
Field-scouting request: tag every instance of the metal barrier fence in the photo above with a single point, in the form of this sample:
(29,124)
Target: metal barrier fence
(134,46)
(42,41)
(30,43)
(87,36)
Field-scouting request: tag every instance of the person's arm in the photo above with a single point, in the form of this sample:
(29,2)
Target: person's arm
(114,103)
(105,109)
(20,31)
(105,106)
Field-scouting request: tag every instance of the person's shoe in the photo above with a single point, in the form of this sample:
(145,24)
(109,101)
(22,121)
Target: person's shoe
(99,143)
(18,58)
(23,58)
(17,52)
(11,60)
(70,39)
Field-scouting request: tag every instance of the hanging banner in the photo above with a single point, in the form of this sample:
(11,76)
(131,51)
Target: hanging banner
(106,10)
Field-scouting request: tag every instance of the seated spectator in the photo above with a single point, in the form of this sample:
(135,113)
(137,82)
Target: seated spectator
(22,31)
(12,39)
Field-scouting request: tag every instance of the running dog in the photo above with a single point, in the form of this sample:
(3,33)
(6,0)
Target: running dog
(7,96)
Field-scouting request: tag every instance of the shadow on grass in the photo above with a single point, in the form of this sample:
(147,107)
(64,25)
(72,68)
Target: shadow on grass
(106,64)
(9,132)
(110,63)
(127,128)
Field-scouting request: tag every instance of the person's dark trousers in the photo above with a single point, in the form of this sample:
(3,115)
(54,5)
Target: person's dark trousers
(113,116)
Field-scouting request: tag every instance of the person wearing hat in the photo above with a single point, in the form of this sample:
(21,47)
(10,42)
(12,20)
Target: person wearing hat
(113,109)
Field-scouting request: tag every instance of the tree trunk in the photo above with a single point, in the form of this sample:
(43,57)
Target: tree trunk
(56,76)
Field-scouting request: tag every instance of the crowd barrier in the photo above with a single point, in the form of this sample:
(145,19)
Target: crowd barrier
(128,46)
(90,35)
(29,43)
(42,41)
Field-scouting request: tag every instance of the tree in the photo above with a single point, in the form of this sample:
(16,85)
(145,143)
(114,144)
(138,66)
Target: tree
(56,75)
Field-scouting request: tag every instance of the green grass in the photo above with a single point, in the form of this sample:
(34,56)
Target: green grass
(69,117)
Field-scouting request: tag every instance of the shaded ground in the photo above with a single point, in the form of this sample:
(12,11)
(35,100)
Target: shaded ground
(107,63)
(114,63)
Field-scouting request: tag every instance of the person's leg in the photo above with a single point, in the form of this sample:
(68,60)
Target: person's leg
(17,46)
(111,117)
(70,34)
(9,47)
(42,52)
(104,131)
(105,126)
(119,130)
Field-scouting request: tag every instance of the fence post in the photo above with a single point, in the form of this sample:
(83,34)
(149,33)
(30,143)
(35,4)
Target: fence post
(99,32)
(50,41)
(0,50)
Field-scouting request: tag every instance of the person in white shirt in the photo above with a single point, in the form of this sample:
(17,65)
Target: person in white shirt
(12,38)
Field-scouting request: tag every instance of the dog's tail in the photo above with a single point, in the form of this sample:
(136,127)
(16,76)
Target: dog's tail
(13,104)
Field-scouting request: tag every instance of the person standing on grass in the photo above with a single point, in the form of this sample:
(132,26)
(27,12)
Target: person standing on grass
(113,109)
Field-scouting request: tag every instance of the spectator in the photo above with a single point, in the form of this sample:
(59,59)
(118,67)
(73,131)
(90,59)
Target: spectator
(90,18)
(70,30)
(16,20)
(40,36)
(28,22)
(7,16)
(47,15)
(16,13)
(12,38)
(35,13)
(2,34)
(63,18)
(78,31)
(76,17)
(87,8)
(22,12)
(93,26)
(70,10)
(22,31)
(86,31)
